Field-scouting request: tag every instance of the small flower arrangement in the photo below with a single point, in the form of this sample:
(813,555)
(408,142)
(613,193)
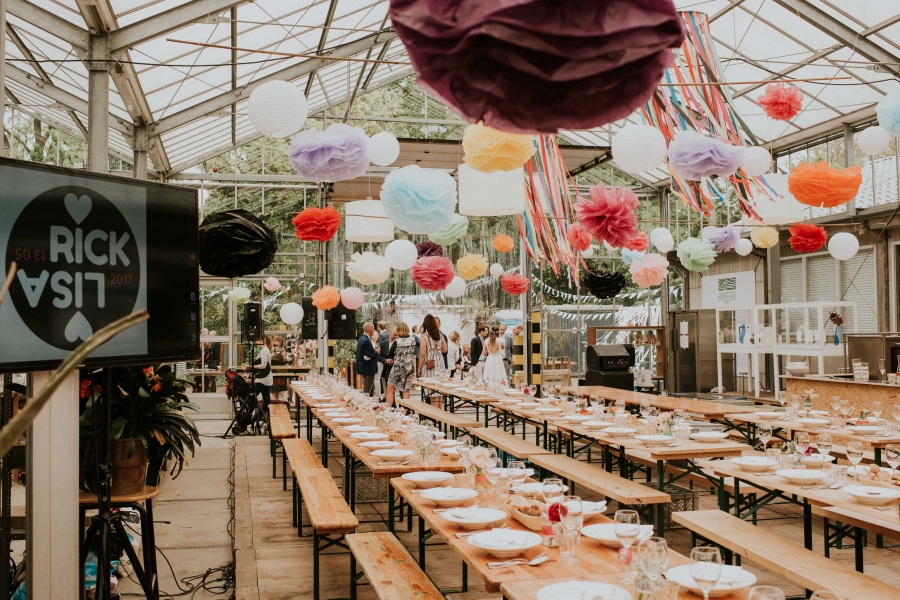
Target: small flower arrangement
(379,407)
(527,391)
(666,421)
(556,512)
(791,448)
(836,319)
(478,458)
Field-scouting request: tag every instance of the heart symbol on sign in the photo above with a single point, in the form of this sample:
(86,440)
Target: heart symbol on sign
(78,327)
(78,207)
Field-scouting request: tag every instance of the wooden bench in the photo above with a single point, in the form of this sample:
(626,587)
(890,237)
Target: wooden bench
(840,523)
(508,443)
(450,420)
(329,516)
(389,567)
(300,455)
(793,562)
(280,428)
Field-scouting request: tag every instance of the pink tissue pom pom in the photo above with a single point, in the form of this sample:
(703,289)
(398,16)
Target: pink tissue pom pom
(781,102)
(639,243)
(579,238)
(432,273)
(609,214)
(272,284)
(649,271)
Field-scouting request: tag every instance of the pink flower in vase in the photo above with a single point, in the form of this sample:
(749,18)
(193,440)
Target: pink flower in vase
(625,556)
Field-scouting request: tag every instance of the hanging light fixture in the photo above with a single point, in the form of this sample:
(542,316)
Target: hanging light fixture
(366,222)
(277,109)
(491,194)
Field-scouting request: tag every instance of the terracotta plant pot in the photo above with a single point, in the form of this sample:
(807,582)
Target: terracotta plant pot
(128,472)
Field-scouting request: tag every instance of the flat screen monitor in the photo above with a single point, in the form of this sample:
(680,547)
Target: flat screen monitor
(89,249)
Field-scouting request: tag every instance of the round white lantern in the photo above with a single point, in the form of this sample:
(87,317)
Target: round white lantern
(277,109)
(756,161)
(291,313)
(456,288)
(366,222)
(743,247)
(352,298)
(843,246)
(638,148)
(657,232)
(401,254)
(383,149)
(779,211)
(491,194)
(496,270)
(873,140)
(588,253)
(664,243)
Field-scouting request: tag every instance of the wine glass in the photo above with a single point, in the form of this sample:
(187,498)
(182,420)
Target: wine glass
(552,488)
(877,409)
(781,397)
(836,403)
(572,522)
(627,527)
(517,473)
(653,557)
(881,368)
(765,592)
(845,408)
(854,453)
(645,408)
(463,446)
(895,412)
(492,473)
(706,568)
(823,444)
(892,456)
(795,402)
(764,432)
(802,441)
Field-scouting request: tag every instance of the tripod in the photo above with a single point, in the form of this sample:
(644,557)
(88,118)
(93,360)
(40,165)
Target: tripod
(107,524)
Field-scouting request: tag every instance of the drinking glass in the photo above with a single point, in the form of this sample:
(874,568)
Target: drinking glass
(568,539)
(802,441)
(764,432)
(666,590)
(552,488)
(492,455)
(895,412)
(517,473)
(877,408)
(836,403)
(682,434)
(781,397)
(653,557)
(572,522)
(854,453)
(823,444)
(840,475)
(774,454)
(501,488)
(795,402)
(765,592)
(680,416)
(706,568)
(892,455)
(787,461)
(465,481)
(627,527)
(492,474)
(825,594)
(645,408)
(892,378)
(881,368)
(595,402)
(845,408)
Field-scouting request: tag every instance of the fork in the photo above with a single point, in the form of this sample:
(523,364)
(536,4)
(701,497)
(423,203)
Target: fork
(442,510)
(541,558)
(470,533)
(813,487)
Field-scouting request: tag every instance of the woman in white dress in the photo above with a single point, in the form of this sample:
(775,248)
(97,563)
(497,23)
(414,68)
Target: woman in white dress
(495,350)
(453,354)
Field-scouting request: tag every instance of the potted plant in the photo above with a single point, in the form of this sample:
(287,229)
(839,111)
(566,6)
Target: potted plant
(148,427)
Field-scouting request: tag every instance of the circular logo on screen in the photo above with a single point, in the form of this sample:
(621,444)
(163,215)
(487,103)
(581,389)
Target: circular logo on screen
(78,265)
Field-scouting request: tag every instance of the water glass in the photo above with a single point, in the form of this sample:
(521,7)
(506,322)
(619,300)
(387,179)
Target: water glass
(432,456)
(666,590)
(787,461)
(683,435)
(892,456)
(854,452)
(552,489)
(501,488)
(823,444)
(774,454)
(627,527)
(801,438)
(892,378)
(765,592)
(517,473)
(653,557)
(568,540)
(706,568)
(839,473)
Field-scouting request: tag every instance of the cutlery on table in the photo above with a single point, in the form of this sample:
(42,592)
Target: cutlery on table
(442,510)
(466,534)
(541,558)
(813,487)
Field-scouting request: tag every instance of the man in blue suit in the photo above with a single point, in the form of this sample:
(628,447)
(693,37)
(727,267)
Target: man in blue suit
(367,359)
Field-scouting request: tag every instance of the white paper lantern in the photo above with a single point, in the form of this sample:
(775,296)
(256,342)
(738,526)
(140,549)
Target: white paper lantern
(664,243)
(366,222)
(491,194)
(401,254)
(782,211)
(496,270)
(384,149)
(873,140)
(638,148)
(843,246)
(277,109)
(291,313)
(657,232)
(456,288)
(756,161)
(368,268)
(743,247)
(588,253)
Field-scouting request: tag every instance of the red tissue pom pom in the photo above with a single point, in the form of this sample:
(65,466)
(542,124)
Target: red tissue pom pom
(781,102)
(639,243)
(609,214)
(579,238)
(316,224)
(514,284)
(432,273)
(807,238)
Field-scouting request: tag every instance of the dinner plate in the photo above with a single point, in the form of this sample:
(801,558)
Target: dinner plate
(577,418)
(655,440)
(815,461)
(480,393)
(348,420)
(606,534)
(505,543)
(336,413)
(449,450)
(427,479)
(379,444)
(769,415)
(369,435)
(754,464)
(802,476)
(708,437)
(515,393)
(505,472)
(814,423)
(874,496)
(865,429)
(597,425)
(510,401)
(536,488)
(472,518)
(592,509)
(582,590)
(392,454)
(326,405)
(619,431)
(358,428)
(548,410)
(733,579)
(529,404)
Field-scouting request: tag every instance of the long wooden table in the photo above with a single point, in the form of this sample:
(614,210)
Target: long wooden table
(711,411)
(463,396)
(508,443)
(453,421)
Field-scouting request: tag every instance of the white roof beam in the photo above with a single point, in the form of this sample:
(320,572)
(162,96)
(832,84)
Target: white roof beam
(51,23)
(166,22)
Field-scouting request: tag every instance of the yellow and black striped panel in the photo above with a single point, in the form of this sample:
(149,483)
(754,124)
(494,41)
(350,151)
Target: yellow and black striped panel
(331,356)
(518,352)
(536,351)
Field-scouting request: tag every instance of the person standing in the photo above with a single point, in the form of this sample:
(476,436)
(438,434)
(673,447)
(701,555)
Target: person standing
(506,335)
(415,334)
(404,366)
(280,357)
(476,346)
(367,359)
(454,352)
(494,351)
(386,357)
(431,352)
(446,345)
(382,336)
(262,371)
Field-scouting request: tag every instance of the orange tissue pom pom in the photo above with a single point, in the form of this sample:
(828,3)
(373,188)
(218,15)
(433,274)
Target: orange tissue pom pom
(502,243)
(514,284)
(326,298)
(821,185)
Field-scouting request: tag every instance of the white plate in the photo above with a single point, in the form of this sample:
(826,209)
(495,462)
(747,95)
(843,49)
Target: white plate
(379,444)
(815,461)
(619,431)
(348,420)
(802,476)
(582,590)
(514,393)
(509,400)
(505,472)
(326,405)
(473,518)
(505,543)
(337,413)
(865,429)
(427,479)
(875,496)
(592,509)
(536,488)
(529,404)
(769,416)
(360,428)
(448,496)
(606,534)
(814,423)
(480,393)
(708,437)
(655,440)
(597,425)
(369,435)
(577,418)
(392,454)
(447,443)
(550,410)
(733,578)
(449,450)
(754,464)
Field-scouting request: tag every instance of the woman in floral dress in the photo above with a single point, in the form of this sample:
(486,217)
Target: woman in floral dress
(431,353)
(404,367)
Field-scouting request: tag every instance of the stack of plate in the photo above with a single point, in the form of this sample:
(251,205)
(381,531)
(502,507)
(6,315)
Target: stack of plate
(605,533)
(505,543)
(472,518)
(449,496)
(733,579)
(427,479)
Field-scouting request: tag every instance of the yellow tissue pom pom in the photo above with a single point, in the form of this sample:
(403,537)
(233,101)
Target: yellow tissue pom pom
(471,266)
(764,237)
(488,150)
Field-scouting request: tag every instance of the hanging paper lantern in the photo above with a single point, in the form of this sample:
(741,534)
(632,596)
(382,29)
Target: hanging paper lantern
(743,247)
(277,109)
(722,238)
(651,270)
(432,273)
(640,242)
(383,149)
(873,140)
(352,298)
(336,154)
(781,102)
(291,313)
(488,150)
(694,156)
(401,254)
(603,284)
(778,211)
(313,224)
(456,288)
(239,295)
(514,284)
(234,243)
(821,185)
(696,255)
(502,243)
(326,298)
(419,200)
(471,266)
(272,284)
(629,256)
(664,243)
(587,253)
(888,111)
(579,238)
(514,64)
(843,246)
(368,268)
(807,238)
(491,194)
(657,232)
(756,161)
(764,237)
(452,232)
(366,222)
(609,214)
(429,248)
(496,270)
(638,148)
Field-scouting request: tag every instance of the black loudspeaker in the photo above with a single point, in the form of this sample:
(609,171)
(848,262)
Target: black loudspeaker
(309,326)
(253,329)
(341,323)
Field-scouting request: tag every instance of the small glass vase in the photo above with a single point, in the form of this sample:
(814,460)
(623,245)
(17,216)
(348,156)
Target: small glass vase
(481,481)
(550,532)
(838,334)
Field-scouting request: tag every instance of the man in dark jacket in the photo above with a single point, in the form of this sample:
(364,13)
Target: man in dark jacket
(367,359)
(388,347)
(476,347)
